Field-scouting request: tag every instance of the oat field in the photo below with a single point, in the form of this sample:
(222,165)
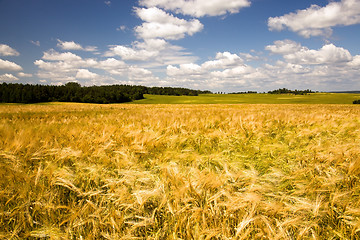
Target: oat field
(83,171)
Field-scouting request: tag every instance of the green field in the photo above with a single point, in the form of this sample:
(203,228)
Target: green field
(315,98)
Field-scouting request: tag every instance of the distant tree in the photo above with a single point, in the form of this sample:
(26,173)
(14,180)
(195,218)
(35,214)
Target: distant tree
(74,92)
(287,91)
(248,92)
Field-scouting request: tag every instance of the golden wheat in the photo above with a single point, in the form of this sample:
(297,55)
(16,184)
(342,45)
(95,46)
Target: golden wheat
(83,171)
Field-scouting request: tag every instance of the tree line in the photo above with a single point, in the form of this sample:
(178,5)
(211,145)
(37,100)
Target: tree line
(288,91)
(248,92)
(74,92)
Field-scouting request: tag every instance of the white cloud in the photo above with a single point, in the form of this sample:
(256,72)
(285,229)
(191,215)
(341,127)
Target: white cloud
(236,72)
(153,44)
(355,62)
(153,52)
(159,24)
(127,53)
(114,66)
(8,77)
(249,57)
(228,70)
(121,28)
(75,46)
(62,61)
(111,63)
(5,50)
(9,66)
(327,68)
(199,8)
(108,3)
(230,63)
(59,68)
(69,45)
(223,60)
(54,67)
(85,74)
(53,55)
(284,47)
(287,68)
(295,53)
(63,67)
(136,73)
(328,54)
(36,43)
(188,69)
(21,74)
(316,20)
(140,51)
(90,49)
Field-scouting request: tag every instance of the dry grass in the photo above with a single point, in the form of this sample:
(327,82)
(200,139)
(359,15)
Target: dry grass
(79,171)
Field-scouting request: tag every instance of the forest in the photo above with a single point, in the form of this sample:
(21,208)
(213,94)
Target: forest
(288,91)
(74,92)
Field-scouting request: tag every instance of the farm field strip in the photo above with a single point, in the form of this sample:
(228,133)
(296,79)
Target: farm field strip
(313,98)
(127,171)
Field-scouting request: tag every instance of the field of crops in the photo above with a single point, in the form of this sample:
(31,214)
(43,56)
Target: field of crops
(313,98)
(83,171)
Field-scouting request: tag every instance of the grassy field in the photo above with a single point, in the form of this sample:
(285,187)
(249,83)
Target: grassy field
(84,171)
(315,98)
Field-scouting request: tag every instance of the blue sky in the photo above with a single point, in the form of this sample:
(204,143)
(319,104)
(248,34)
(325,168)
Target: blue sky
(217,45)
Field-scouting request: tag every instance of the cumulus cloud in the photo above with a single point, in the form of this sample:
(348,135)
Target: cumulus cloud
(236,72)
(250,57)
(223,60)
(327,68)
(295,53)
(8,77)
(328,54)
(198,8)
(6,50)
(227,69)
(188,69)
(85,74)
(285,69)
(127,53)
(318,21)
(71,45)
(154,52)
(137,73)
(62,67)
(53,55)
(111,63)
(284,47)
(21,74)
(355,62)
(59,68)
(139,51)
(159,24)
(9,66)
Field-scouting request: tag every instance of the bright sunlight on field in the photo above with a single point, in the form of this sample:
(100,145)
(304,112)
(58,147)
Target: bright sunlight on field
(82,171)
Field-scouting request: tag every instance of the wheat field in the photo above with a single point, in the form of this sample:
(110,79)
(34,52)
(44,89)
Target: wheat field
(83,171)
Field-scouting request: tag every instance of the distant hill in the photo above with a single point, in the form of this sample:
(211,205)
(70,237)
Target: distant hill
(345,92)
